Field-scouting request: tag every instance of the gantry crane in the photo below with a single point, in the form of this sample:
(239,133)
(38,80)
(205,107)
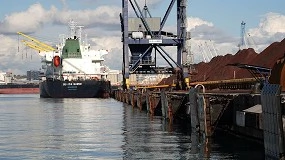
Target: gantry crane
(143,36)
(36,44)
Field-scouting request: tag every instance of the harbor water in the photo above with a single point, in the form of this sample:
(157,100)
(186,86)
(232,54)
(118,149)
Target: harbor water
(37,128)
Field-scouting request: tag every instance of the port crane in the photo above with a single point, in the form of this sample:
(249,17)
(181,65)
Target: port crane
(144,37)
(36,44)
(35,47)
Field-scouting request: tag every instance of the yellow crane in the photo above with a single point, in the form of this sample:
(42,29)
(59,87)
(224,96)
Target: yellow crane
(36,44)
(35,47)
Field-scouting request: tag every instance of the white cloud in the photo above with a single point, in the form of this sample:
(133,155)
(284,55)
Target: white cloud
(193,22)
(270,24)
(102,15)
(203,30)
(35,17)
(27,21)
(271,29)
(208,41)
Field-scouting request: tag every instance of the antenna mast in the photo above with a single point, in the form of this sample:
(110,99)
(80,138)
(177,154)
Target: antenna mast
(72,27)
(80,33)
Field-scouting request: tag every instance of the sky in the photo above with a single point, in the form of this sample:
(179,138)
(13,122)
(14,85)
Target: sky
(215,27)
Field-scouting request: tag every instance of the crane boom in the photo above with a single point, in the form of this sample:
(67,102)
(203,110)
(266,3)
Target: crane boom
(35,46)
(35,42)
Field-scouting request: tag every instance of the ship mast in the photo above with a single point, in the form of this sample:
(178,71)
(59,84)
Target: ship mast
(76,32)
(80,33)
(72,27)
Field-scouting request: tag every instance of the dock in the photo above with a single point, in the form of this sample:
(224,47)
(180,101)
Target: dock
(253,115)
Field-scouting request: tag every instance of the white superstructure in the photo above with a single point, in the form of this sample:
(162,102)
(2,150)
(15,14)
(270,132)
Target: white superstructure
(5,77)
(85,64)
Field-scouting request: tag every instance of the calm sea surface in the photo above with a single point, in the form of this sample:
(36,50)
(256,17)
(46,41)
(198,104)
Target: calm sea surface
(36,128)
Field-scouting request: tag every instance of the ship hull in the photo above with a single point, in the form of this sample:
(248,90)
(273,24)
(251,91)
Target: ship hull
(75,89)
(19,89)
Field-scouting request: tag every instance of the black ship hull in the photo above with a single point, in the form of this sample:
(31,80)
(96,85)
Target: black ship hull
(75,89)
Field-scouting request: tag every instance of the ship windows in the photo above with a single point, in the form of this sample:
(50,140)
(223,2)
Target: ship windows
(78,50)
(69,72)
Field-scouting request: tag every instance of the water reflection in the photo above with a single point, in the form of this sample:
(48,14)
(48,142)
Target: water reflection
(90,125)
(35,128)
(149,137)
(152,138)
(61,129)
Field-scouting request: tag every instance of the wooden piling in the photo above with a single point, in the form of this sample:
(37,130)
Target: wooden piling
(194,109)
(170,112)
(164,104)
(148,102)
(133,99)
(139,100)
(207,117)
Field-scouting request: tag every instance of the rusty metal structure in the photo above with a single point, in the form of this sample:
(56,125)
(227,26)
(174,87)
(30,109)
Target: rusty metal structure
(144,37)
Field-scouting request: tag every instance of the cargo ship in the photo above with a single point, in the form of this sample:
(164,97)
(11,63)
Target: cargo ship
(9,86)
(15,88)
(74,70)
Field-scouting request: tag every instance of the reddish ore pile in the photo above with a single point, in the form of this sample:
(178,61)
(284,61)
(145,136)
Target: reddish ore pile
(218,68)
